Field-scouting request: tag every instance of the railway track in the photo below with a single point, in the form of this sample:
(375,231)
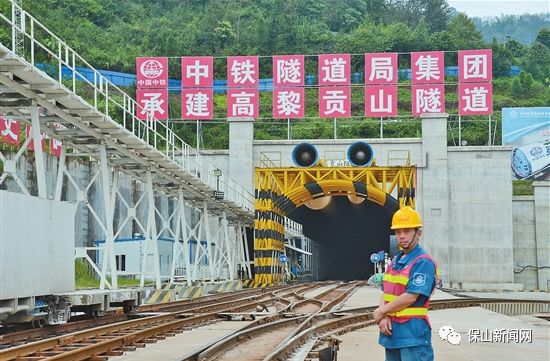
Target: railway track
(25,336)
(113,339)
(321,335)
(275,336)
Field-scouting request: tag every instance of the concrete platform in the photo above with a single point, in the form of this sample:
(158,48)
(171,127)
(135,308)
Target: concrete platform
(355,345)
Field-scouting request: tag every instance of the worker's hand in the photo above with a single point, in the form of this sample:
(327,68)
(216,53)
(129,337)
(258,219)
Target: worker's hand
(378,315)
(385,326)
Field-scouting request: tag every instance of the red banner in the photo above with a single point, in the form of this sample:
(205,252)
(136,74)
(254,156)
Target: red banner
(152,73)
(55,144)
(153,102)
(288,70)
(288,103)
(31,144)
(475,98)
(242,103)
(428,67)
(475,65)
(335,102)
(334,69)
(381,101)
(197,71)
(428,99)
(9,131)
(197,104)
(242,71)
(380,68)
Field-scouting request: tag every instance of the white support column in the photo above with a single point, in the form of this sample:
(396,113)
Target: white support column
(246,254)
(218,253)
(60,173)
(181,250)
(211,265)
(109,262)
(230,249)
(177,248)
(38,152)
(151,239)
(198,246)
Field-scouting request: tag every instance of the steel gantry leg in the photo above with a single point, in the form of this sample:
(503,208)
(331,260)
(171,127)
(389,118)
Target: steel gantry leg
(38,152)
(109,261)
(243,240)
(209,240)
(151,239)
(180,249)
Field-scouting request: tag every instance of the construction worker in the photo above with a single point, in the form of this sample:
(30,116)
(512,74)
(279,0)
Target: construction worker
(402,316)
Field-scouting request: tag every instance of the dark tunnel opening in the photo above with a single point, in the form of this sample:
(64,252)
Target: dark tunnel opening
(347,234)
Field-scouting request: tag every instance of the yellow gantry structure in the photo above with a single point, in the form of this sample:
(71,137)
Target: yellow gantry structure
(281,190)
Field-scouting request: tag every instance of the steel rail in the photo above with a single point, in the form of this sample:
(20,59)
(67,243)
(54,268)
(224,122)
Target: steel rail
(266,328)
(154,326)
(362,317)
(9,339)
(204,300)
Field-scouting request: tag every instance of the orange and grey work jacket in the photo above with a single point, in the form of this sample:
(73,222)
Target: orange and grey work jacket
(395,284)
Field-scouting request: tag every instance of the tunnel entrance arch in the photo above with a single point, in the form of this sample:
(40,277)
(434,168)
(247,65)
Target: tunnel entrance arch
(297,192)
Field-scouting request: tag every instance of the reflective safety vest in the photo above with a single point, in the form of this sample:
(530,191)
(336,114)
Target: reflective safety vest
(395,284)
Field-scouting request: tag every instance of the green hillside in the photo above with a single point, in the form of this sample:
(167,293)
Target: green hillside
(110,34)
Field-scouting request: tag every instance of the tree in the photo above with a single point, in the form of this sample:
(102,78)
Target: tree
(516,48)
(537,61)
(517,89)
(502,59)
(464,33)
(543,37)
(436,13)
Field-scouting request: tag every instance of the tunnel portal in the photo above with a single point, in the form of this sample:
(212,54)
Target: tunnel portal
(347,234)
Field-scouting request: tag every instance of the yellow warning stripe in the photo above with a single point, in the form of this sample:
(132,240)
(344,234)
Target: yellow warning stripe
(411,311)
(396,279)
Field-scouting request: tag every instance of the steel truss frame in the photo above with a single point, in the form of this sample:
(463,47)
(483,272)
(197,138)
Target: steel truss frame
(230,239)
(99,121)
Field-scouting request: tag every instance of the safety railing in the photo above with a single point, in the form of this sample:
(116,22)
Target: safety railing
(47,53)
(292,227)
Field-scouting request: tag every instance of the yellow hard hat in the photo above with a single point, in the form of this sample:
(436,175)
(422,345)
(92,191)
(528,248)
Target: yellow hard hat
(406,217)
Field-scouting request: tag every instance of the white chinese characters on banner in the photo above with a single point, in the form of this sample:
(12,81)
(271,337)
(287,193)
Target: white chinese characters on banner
(242,71)
(288,70)
(242,103)
(55,144)
(475,65)
(31,144)
(428,99)
(381,101)
(335,102)
(9,131)
(334,69)
(288,103)
(197,71)
(153,102)
(380,68)
(427,67)
(152,72)
(475,98)
(196,104)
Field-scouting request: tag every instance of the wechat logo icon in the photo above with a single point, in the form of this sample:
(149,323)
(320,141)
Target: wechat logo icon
(448,333)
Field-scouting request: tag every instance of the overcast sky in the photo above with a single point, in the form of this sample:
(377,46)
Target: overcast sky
(476,8)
